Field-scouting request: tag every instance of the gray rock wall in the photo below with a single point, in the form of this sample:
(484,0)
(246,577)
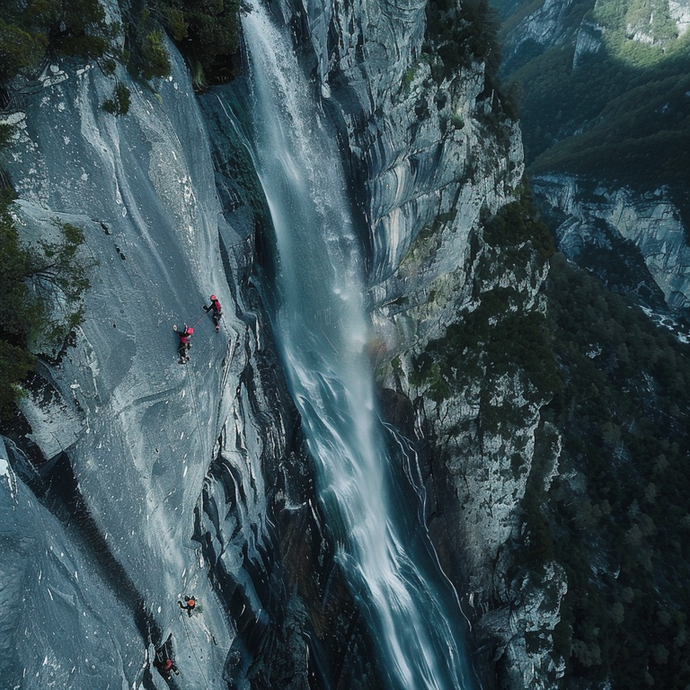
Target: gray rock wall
(61,625)
(651,222)
(167,458)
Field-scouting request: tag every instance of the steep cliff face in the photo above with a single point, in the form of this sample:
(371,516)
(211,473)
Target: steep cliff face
(156,468)
(549,24)
(434,150)
(596,220)
(423,143)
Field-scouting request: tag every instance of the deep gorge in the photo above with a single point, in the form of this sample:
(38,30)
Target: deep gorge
(414,407)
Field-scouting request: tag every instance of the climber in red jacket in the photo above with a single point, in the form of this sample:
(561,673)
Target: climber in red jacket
(217,311)
(185,336)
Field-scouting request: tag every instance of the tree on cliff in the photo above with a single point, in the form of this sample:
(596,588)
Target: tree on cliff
(31,30)
(29,281)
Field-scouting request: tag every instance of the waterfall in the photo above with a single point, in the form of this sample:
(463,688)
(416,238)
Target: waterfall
(321,325)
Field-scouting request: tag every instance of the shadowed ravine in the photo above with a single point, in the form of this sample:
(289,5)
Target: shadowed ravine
(321,325)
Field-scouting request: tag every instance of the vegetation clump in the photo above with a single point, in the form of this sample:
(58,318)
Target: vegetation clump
(499,336)
(207,34)
(30,279)
(22,312)
(154,61)
(31,30)
(460,33)
(120,102)
(616,516)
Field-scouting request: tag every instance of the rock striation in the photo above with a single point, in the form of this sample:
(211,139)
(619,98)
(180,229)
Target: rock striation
(651,222)
(433,154)
(159,466)
(192,479)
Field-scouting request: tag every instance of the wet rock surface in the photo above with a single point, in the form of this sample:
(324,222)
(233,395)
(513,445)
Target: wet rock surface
(424,187)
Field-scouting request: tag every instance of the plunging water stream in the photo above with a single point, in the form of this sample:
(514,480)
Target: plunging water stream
(321,325)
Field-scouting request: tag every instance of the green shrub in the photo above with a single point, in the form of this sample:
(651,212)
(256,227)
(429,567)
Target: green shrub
(15,365)
(207,35)
(21,51)
(174,22)
(154,57)
(519,222)
(120,102)
(22,313)
(213,31)
(28,278)
(56,264)
(32,29)
(458,34)
(5,135)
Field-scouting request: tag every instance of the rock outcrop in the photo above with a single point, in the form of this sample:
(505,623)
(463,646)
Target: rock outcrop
(433,153)
(591,216)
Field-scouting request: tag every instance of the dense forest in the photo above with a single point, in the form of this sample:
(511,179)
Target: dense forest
(607,95)
(617,514)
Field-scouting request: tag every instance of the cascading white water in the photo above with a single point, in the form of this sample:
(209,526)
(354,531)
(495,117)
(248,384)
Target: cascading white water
(321,326)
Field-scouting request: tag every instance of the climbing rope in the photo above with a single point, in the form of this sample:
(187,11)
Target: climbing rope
(191,646)
(195,407)
(198,321)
